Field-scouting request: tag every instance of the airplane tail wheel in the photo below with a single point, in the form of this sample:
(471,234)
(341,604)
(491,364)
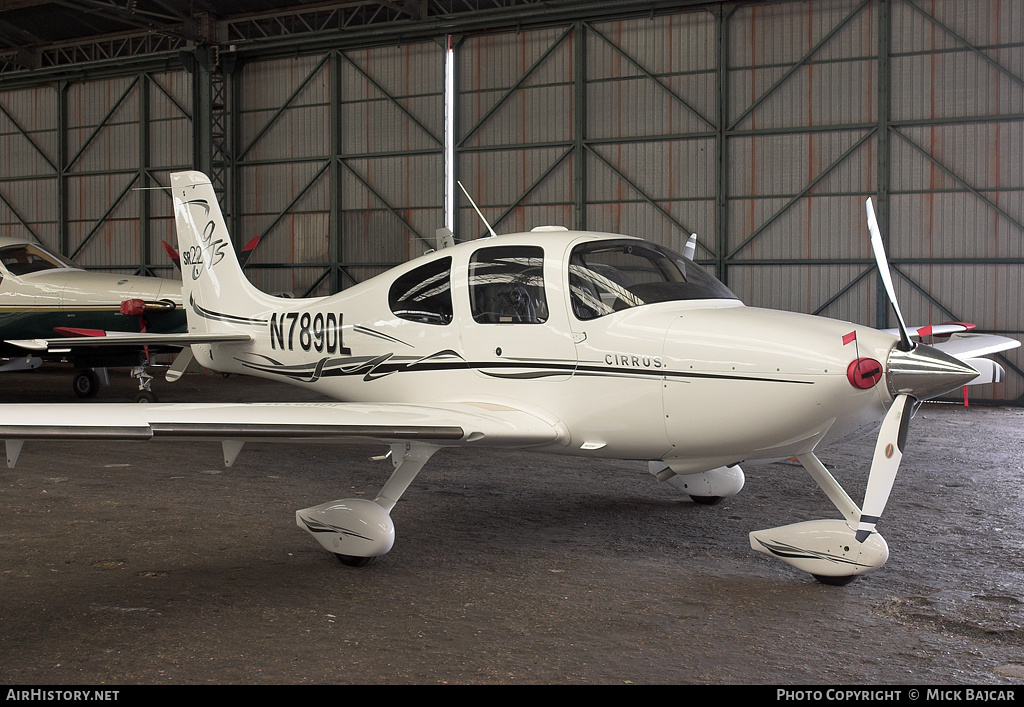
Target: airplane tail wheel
(86,384)
(835,581)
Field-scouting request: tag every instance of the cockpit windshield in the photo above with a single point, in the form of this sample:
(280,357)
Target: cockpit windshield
(608,276)
(24,258)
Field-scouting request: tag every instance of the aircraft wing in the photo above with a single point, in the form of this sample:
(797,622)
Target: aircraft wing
(970,348)
(933,329)
(116,338)
(975,345)
(960,343)
(456,424)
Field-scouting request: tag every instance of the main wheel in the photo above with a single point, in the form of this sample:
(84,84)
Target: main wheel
(353,561)
(86,383)
(706,500)
(835,581)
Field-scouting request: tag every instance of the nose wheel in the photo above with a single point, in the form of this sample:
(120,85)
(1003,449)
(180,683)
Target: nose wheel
(354,561)
(835,581)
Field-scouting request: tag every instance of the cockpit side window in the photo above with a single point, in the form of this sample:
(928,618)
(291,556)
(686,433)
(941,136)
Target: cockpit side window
(26,258)
(506,285)
(609,276)
(424,294)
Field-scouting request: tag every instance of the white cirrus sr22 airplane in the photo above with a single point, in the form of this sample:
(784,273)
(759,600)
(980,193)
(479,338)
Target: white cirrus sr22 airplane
(575,343)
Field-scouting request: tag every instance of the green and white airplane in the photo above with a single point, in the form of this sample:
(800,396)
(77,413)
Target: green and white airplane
(45,296)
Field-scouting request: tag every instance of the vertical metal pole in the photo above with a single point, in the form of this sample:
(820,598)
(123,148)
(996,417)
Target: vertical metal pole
(202,156)
(456,40)
(448,141)
(883,165)
(63,238)
(722,164)
(232,127)
(143,179)
(580,129)
(335,232)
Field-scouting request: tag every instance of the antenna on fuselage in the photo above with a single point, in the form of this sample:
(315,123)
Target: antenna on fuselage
(444,237)
(690,251)
(476,209)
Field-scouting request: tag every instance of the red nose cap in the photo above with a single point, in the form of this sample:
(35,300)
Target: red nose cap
(863,373)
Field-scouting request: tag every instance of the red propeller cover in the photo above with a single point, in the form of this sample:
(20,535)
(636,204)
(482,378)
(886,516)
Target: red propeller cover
(863,373)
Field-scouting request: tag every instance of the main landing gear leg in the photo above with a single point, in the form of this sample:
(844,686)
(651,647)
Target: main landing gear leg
(145,394)
(827,549)
(357,530)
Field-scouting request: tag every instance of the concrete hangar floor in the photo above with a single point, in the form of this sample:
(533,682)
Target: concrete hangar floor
(150,563)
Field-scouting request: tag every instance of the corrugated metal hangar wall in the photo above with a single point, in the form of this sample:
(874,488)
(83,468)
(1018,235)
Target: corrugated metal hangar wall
(762,127)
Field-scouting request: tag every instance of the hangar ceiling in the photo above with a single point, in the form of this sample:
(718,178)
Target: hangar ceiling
(762,126)
(37,34)
(45,21)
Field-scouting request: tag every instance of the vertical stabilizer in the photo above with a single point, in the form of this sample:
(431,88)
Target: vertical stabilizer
(215,292)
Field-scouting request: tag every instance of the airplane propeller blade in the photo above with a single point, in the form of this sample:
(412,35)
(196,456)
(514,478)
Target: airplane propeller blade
(886,462)
(878,248)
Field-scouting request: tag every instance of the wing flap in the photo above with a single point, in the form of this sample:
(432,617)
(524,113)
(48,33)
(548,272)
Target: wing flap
(114,338)
(444,425)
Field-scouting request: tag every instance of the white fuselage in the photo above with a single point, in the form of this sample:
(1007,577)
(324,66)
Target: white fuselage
(701,382)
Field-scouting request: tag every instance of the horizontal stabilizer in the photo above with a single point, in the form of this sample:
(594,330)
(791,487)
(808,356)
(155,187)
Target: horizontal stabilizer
(115,338)
(172,254)
(69,332)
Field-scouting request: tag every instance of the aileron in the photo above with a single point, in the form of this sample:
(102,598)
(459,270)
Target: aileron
(276,422)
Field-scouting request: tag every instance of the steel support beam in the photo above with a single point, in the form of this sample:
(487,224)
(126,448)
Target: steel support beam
(210,115)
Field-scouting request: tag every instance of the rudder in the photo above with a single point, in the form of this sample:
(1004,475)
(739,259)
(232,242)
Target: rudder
(215,291)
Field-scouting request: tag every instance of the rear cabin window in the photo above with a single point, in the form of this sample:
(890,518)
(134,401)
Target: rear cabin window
(424,294)
(506,285)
